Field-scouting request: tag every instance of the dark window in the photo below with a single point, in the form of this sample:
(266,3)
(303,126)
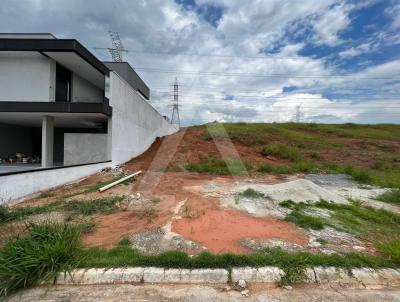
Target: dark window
(63,84)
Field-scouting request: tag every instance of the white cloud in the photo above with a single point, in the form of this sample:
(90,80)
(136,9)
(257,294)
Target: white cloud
(393,11)
(245,29)
(355,51)
(328,26)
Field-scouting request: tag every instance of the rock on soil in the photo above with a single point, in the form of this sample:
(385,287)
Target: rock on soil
(261,245)
(300,190)
(156,242)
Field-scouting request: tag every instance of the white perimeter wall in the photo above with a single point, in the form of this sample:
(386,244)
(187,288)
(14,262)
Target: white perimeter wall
(25,76)
(15,186)
(82,148)
(135,124)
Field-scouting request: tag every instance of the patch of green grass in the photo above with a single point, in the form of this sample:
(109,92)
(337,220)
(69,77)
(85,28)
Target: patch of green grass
(350,130)
(359,175)
(322,241)
(124,242)
(306,221)
(392,196)
(251,193)
(261,133)
(8,214)
(101,205)
(391,249)
(219,166)
(38,257)
(282,151)
(365,222)
(299,167)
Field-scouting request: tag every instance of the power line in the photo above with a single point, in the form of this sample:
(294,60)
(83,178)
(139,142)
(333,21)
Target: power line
(192,54)
(215,73)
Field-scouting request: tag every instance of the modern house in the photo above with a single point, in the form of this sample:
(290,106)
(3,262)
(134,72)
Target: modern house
(64,114)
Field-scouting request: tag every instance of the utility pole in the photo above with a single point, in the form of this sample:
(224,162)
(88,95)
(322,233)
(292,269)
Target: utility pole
(175,105)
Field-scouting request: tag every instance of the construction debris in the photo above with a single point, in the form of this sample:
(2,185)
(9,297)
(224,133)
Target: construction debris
(106,187)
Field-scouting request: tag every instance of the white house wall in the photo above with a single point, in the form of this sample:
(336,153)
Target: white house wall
(84,91)
(24,77)
(135,123)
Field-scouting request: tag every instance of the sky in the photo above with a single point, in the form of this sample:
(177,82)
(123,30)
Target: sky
(242,61)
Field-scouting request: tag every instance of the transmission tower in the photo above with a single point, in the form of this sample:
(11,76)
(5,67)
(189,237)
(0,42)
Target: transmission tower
(298,113)
(117,47)
(175,105)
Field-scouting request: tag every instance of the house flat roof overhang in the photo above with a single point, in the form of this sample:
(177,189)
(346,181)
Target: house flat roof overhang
(67,52)
(53,46)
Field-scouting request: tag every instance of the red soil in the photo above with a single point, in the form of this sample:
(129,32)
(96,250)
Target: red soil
(221,230)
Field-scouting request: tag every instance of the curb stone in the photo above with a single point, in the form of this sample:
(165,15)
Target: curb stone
(268,274)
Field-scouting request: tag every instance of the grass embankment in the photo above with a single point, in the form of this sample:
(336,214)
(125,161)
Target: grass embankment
(304,148)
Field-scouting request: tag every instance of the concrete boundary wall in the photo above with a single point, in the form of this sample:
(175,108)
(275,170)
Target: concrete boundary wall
(19,185)
(357,277)
(82,148)
(135,123)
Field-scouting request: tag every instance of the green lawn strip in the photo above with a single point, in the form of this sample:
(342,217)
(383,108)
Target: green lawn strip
(293,264)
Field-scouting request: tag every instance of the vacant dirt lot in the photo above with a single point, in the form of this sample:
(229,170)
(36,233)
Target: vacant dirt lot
(168,207)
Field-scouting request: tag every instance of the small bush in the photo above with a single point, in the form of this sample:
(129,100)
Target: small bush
(392,196)
(39,256)
(251,193)
(282,151)
(101,205)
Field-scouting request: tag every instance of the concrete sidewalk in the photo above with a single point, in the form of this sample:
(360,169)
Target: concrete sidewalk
(194,293)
